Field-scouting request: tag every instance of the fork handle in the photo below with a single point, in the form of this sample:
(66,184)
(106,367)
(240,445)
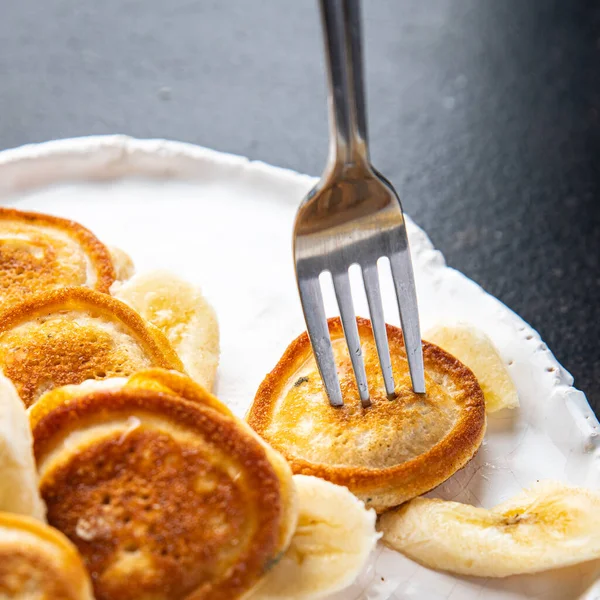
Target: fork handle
(343,54)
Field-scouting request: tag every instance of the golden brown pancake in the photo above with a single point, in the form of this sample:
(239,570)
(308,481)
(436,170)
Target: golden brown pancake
(388,453)
(173,383)
(39,252)
(39,563)
(69,335)
(165,498)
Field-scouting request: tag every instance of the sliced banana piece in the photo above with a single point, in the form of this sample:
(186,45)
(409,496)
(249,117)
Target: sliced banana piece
(477,351)
(124,268)
(18,477)
(332,543)
(548,526)
(183,315)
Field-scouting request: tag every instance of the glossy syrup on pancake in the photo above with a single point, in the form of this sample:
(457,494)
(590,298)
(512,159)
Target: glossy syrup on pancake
(40,252)
(69,335)
(38,562)
(164,498)
(389,452)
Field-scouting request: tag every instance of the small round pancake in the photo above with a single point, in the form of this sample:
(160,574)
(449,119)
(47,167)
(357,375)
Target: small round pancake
(388,453)
(164,498)
(38,562)
(124,267)
(176,384)
(39,252)
(69,335)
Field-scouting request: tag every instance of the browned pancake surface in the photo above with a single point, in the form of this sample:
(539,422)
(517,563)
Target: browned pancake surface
(176,502)
(38,562)
(395,448)
(40,252)
(70,335)
(22,570)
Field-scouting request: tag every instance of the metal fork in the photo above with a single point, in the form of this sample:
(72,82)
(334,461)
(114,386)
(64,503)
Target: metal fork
(353,216)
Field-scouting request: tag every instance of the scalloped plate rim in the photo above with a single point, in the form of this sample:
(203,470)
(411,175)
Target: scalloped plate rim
(115,156)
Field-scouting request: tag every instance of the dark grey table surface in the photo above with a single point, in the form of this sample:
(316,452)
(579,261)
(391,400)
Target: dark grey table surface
(485,114)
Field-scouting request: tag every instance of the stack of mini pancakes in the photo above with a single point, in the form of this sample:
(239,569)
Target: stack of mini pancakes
(150,487)
(127,479)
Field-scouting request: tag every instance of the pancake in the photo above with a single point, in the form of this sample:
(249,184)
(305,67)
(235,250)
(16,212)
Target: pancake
(177,384)
(69,335)
(40,252)
(389,452)
(38,562)
(165,498)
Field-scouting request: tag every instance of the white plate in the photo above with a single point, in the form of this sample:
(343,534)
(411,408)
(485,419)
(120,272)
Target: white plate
(225,223)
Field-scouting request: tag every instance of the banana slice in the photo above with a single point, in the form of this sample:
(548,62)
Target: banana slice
(333,540)
(18,478)
(475,349)
(548,526)
(124,268)
(183,315)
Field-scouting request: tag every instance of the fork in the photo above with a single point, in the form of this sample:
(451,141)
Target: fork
(353,216)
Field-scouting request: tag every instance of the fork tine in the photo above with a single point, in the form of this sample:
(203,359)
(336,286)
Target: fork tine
(371,279)
(318,332)
(341,284)
(404,282)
